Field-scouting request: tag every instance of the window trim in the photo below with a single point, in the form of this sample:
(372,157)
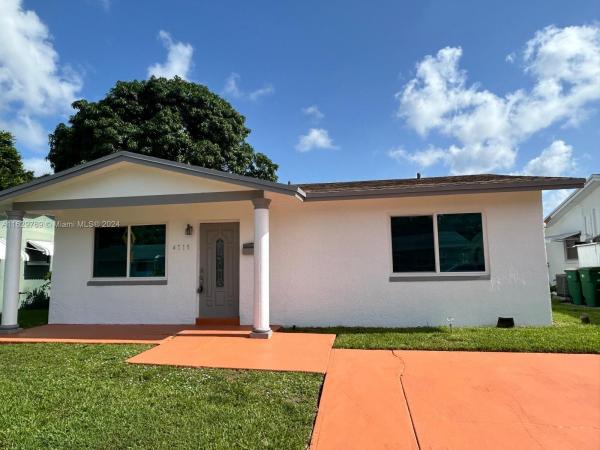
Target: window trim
(437,275)
(127,279)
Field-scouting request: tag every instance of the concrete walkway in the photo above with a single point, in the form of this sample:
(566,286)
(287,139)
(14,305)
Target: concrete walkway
(298,352)
(459,400)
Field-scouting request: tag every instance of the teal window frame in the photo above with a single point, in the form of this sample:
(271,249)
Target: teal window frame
(129,246)
(438,272)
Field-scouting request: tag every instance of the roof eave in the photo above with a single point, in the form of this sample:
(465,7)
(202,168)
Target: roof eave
(557,212)
(449,189)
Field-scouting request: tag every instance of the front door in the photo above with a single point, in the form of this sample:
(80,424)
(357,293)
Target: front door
(219,270)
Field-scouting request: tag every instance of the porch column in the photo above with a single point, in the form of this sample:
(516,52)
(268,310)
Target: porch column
(12,271)
(261,326)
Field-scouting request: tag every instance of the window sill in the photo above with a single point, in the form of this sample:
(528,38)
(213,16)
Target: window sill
(129,282)
(438,277)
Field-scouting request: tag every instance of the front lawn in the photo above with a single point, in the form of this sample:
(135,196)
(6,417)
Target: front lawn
(567,335)
(85,396)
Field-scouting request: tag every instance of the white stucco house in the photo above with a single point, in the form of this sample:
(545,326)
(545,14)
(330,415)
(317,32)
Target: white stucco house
(575,221)
(144,240)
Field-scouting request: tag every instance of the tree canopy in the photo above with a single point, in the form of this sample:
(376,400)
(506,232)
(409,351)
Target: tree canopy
(12,172)
(167,118)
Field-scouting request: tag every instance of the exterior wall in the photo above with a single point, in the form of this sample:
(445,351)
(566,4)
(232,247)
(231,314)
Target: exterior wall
(330,265)
(331,262)
(582,216)
(72,301)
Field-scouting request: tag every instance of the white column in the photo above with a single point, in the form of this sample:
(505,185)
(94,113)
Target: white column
(261,326)
(12,271)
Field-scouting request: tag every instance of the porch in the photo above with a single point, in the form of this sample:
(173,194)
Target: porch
(196,346)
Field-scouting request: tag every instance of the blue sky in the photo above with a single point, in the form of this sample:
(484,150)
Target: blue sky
(336,90)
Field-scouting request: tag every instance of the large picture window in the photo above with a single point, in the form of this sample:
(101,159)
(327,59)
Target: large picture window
(438,243)
(134,251)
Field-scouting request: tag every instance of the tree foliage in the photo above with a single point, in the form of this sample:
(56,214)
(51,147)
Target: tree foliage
(167,118)
(12,172)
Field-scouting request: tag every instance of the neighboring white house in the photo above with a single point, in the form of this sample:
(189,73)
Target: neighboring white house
(37,248)
(574,221)
(145,240)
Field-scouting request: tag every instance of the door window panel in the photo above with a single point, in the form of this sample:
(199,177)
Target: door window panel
(220,263)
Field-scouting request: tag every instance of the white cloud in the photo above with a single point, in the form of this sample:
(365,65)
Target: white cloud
(266,90)
(179,58)
(314,139)
(313,112)
(233,90)
(555,160)
(40,166)
(487,128)
(32,83)
(424,158)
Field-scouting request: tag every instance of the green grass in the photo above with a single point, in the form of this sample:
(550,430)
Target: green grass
(72,396)
(567,335)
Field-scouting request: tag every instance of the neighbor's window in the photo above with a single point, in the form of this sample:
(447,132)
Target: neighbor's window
(38,265)
(135,251)
(570,249)
(458,247)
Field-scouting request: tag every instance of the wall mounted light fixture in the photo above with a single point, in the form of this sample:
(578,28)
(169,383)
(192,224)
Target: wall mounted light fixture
(189,230)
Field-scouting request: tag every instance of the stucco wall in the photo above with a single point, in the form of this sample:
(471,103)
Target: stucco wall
(582,216)
(177,302)
(330,265)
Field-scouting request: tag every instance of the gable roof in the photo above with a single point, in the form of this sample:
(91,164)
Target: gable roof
(580,194)
(151,161)
(463,184)
(436,186)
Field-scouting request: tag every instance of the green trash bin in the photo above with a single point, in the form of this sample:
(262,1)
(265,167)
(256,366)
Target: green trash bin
(589,277)
(574,286)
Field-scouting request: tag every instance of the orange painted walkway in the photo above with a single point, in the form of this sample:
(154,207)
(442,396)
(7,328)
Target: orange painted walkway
(362,404)
(459,400)
(299,352)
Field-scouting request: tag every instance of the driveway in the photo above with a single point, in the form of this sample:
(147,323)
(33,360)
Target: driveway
(459,400)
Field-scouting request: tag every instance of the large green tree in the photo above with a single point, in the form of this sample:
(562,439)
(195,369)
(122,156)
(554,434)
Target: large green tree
(12,172)
(168,118)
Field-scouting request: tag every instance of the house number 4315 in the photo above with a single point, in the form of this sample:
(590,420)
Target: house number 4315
(181,247)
